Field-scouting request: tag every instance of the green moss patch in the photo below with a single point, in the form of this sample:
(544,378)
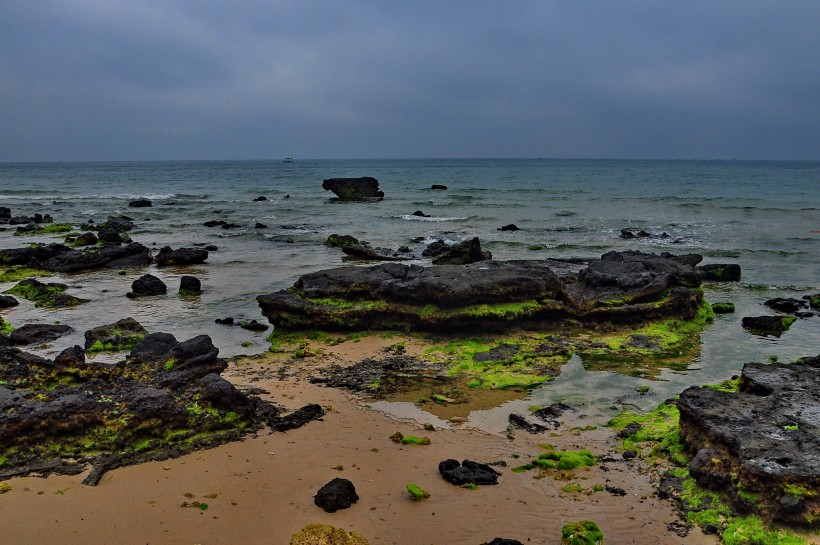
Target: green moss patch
(44,229)
(45,295)
(5,327)
(723,308)
(417,492)
(17,273)
(583,532)
(653,434)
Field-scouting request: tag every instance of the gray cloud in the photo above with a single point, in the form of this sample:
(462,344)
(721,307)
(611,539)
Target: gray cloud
(116,79)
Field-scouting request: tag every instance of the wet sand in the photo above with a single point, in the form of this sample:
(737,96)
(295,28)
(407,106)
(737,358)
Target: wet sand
(260,490)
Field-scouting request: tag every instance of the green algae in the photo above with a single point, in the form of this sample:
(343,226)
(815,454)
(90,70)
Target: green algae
(18,272)
(45,229)
(752,531)
(5,327)
(417,492)
(44,295)
(584,532)
(656,433)
(572,488)
(723,308)
(130,343)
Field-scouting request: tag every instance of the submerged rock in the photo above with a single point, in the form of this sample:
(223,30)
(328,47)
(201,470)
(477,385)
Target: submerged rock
(766,437)
(38,333)
(140,203)
(354,189)
(767,325)
(190,285)
(337,494)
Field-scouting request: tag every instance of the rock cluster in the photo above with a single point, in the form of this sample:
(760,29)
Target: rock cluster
(167,398)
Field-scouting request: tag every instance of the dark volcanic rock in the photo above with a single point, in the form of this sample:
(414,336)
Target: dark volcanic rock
(420,214)
(467,472)
(504,541)
(519,422)
(335,495)
(767,436)
(51,295)
(122,334)
(86,239)
(787,305)
(253,325)
(31,255)
(372,253)
(190,285)
(7,301)
(119,223)
(110,235)
(438,187)
(467,251)
(395,296)
(5,214)
(38,333)
(340,241)
(145,285)
(767,325)
(297,418)
(140,203)
(260,198)
(170,395)
(71,260)
(509,227)
(631,232)
(182,256)
(354,189)
(221,223)
(721,272)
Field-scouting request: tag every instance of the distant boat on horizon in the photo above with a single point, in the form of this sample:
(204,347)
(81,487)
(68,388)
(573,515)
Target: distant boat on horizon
(287,160)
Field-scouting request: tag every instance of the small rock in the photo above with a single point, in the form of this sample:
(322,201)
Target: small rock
(190,285)
(260,198)
(7,301)
(468,472)
(438,187)
(260,226)
(509,227)
(147,285)
(140,203)
(337,494)
(630,454)
(420,214)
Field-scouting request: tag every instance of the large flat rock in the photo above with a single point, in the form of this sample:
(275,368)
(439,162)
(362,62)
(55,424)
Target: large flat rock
(627,287)
(765,439)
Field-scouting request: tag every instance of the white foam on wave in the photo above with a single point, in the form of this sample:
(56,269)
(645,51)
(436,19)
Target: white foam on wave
(77,197)
(411,217)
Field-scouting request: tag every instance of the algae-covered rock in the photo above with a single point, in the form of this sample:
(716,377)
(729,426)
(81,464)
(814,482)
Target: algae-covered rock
(766,436)
(723,308)
(768,325)
(721,272)
(325,534)
(121,335)
(51,295)
(584,532)
(417,492)
(621,288)
(340,241)
(166,400)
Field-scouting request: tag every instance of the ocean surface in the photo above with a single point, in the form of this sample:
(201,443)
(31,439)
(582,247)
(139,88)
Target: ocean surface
(763,215)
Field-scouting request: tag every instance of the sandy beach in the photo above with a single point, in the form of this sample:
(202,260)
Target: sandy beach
(260,490)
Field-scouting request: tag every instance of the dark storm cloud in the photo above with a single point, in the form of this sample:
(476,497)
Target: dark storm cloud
(111,79)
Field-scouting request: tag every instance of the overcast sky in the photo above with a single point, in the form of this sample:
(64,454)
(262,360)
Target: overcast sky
(198,79)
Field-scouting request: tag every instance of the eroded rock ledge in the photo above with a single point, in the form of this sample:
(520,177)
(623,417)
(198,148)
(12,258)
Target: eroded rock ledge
(620,287)
(762,445)
(166,399)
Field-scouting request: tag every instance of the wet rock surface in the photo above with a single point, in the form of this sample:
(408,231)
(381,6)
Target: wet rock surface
(181,256)
(147,285)
(766,438)
(61,258)
(467,472)
(337,494)
(121,334)
(767,325)
(166,399)
(621,287)
(38,333)
(354,189)
(467,251)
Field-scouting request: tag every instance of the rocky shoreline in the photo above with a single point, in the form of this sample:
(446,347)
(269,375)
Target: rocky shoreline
(167,398)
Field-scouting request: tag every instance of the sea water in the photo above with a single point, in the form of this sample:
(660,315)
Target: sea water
(763,215)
